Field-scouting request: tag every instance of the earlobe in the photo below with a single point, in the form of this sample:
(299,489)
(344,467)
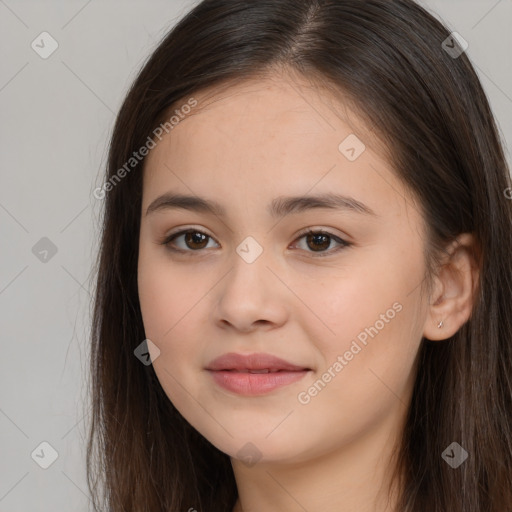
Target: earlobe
(455,288)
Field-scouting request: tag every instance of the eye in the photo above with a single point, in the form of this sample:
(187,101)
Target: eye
(320,239)
(195,240)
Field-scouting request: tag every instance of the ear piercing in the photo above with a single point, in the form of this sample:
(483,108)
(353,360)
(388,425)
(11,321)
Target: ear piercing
(440,324)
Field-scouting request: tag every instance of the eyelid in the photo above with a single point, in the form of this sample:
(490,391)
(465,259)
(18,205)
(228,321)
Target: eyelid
(319,229)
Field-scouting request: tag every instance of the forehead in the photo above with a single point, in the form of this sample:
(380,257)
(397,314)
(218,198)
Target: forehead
(275,107)
(267,137)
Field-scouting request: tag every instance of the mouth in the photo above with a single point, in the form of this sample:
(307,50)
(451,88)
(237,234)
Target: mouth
(254,374)
(265,370)
(255,382)
(255,363)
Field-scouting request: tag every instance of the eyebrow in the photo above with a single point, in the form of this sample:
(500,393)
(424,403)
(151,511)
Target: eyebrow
(279,207)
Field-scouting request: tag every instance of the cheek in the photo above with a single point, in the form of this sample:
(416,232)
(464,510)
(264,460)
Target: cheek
(172,302)
(166,295)
(367,366)
(167,314)
(156,302)
(369,315)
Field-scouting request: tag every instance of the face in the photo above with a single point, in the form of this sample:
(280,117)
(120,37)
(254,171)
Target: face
(343,303)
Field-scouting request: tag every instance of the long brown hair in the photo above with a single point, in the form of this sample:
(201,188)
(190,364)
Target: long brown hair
(426,104)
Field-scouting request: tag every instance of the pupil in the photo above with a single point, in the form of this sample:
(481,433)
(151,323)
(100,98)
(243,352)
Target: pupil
(316,237)
(192,237)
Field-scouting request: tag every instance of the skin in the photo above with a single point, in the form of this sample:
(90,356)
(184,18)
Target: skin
(244,146)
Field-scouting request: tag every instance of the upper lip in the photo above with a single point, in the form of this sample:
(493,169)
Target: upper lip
(258,361)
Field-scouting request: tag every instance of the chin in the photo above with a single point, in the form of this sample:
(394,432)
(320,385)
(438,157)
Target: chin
(257,449)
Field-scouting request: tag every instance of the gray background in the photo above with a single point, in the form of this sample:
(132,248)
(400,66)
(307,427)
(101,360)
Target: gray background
(57,116)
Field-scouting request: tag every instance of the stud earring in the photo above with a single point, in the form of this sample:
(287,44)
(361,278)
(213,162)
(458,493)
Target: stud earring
(440,324)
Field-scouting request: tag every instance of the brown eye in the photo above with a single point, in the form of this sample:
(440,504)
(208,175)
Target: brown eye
(319,242)
(316,242)
(194,240)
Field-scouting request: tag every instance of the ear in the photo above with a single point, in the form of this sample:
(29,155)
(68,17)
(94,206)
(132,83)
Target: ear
(454,290)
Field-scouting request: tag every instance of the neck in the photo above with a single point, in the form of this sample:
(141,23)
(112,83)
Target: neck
(352,478)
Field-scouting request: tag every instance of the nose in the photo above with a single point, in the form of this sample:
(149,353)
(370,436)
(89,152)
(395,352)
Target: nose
(251,296)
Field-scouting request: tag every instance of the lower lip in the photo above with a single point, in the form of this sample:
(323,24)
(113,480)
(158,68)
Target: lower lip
(255,383)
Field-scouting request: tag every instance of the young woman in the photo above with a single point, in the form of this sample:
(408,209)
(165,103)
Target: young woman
(304,289)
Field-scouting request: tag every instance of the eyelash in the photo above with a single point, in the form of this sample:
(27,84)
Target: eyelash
(343,243)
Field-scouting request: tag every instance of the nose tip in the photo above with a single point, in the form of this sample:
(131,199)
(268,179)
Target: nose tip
(249,302)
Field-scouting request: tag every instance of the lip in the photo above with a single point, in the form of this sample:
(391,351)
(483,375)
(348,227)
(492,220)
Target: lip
(232,372)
